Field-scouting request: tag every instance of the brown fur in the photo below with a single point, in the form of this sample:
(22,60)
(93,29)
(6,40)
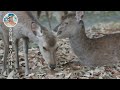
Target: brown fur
(50,38)
(91,52)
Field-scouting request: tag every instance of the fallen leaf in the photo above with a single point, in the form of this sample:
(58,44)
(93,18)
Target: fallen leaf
(22,63)
(67,76)
(31,74)
(5,73)
(10,76)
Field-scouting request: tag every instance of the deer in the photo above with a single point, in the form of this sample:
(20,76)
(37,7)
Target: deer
(92,52)
(30,30)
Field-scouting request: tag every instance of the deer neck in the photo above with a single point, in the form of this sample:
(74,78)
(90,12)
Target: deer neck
(79,37)
(79,42)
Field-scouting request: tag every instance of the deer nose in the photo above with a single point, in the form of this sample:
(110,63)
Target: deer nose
(52,66)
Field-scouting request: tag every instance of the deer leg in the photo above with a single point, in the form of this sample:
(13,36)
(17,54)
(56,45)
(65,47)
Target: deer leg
(25,47)
(6,50)
(16,54)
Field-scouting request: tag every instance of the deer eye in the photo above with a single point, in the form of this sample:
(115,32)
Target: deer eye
(45,48)
(66,22)
(59,32)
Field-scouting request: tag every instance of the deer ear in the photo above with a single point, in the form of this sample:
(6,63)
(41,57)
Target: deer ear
(62,18)
(79,15)
(44,31)
(34,27)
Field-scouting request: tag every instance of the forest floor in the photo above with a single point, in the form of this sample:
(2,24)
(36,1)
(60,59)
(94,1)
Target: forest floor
(67,66)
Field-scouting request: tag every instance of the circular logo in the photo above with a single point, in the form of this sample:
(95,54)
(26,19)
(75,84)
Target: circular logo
(10,19)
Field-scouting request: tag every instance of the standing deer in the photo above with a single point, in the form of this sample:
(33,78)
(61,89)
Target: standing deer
(29,29)
(91,52)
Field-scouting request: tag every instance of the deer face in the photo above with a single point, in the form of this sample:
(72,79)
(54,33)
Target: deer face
(49,53)
(69,25)
(48,47)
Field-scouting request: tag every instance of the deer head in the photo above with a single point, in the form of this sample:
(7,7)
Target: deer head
(47,44)
(71,23)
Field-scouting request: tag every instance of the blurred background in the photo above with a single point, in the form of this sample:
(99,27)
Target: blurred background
(90,17)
